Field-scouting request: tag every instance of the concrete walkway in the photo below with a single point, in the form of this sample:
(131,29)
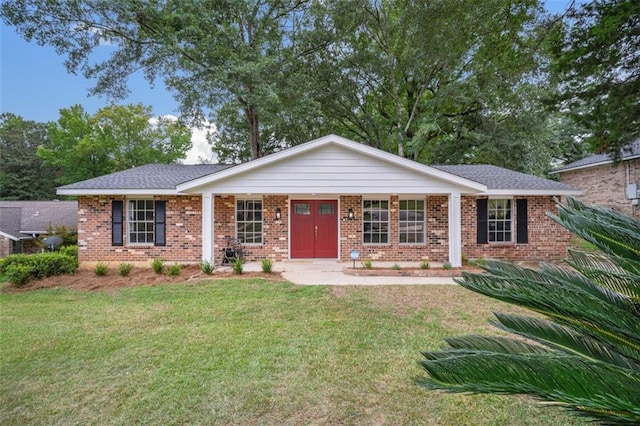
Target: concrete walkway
(330,272)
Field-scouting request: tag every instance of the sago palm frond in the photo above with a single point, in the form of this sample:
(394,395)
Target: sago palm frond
(582,351)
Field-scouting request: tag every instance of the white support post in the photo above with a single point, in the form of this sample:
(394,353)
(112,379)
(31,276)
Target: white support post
(207,228)
(455,230)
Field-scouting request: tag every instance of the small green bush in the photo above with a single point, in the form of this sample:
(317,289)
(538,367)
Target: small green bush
(237,266)
(267,266)
(38,265)
(425,264)
(69,251)
(396,267)
(101,269)
(367,264)
(206,267)
(18,274)
(446,265)
(124,269)
(174,270)
(157,265)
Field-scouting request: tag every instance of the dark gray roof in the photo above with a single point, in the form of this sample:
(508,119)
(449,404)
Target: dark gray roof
(150,176)
(626,153)
(20,217)
(499,178)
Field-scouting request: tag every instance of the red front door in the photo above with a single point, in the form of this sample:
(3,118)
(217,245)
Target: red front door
(314,229)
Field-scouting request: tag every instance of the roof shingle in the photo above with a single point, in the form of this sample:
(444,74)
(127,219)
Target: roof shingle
(498,178)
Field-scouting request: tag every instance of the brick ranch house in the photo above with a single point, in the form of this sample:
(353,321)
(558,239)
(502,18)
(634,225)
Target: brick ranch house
(605,182)
(321,199)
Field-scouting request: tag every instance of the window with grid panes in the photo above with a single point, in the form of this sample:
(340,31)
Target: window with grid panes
(140,221)
(500,217)
(375,221)
(249,221)
(411,225)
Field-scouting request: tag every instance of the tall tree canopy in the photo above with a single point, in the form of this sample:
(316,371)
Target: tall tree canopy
(115,138)
(435,81)
(23,176)
(597,65)
(225,54)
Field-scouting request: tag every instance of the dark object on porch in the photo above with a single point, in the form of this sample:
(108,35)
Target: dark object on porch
(232,251)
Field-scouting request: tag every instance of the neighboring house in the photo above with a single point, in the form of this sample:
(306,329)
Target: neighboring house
(21,222)
(321,199)
(606,183)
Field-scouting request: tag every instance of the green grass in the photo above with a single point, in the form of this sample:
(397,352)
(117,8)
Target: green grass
(241,352)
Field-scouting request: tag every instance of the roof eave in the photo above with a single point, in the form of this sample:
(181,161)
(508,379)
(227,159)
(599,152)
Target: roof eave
(584,166)
(115,191)
(9,236)
(535,192)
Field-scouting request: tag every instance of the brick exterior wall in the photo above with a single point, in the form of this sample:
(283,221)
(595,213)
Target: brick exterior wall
(547,239)
(183,232)
(437,239)
(606,185)
(6,246)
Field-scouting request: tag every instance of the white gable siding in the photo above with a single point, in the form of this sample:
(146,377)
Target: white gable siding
(331,169)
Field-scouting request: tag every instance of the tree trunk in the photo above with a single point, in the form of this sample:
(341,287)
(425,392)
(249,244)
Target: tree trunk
(254,131)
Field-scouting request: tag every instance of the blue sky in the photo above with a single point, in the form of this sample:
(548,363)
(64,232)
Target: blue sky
(35,84)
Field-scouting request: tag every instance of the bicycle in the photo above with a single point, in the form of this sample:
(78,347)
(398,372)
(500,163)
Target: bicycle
(232,251)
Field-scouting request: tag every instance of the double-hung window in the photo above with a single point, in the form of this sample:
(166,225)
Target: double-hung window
(249,221)
(411,226)
(375,221)
(500,218)
(140,221)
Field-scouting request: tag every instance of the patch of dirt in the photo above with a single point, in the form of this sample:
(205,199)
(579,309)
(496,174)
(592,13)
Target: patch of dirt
(86,279)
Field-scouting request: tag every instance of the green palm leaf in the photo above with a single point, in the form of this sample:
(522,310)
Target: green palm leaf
(568,340)
(583,353)
(590,388)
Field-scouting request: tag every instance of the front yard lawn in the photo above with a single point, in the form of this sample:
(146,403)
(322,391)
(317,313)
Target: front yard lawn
(244,351)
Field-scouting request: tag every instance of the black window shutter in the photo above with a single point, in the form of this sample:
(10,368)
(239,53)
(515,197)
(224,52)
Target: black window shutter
(160,226)
(522,226)
(116,222)
(482,205)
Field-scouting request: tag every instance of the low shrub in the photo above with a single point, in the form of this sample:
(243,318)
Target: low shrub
(21,267)
(19,274)
(267,266)
(69,251)
(367,264)
(101,269)
(124,269)
(237,266)
(157,265)
(424,264)
(446,265)
(206,267)
(174,270)
(396,267)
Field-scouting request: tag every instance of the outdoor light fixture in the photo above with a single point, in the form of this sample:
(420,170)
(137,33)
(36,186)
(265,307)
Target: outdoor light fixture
(278,213)
(350,215)
(354,256)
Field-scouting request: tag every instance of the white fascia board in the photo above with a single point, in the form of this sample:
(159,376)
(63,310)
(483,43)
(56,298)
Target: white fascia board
(118,192)
(11,237)
(340,141)
(540,192)
(585,166)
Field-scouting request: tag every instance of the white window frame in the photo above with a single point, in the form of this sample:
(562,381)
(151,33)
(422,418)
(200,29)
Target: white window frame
(387,222)
(423,234)
(261,221)
(496,221)
(133,209)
